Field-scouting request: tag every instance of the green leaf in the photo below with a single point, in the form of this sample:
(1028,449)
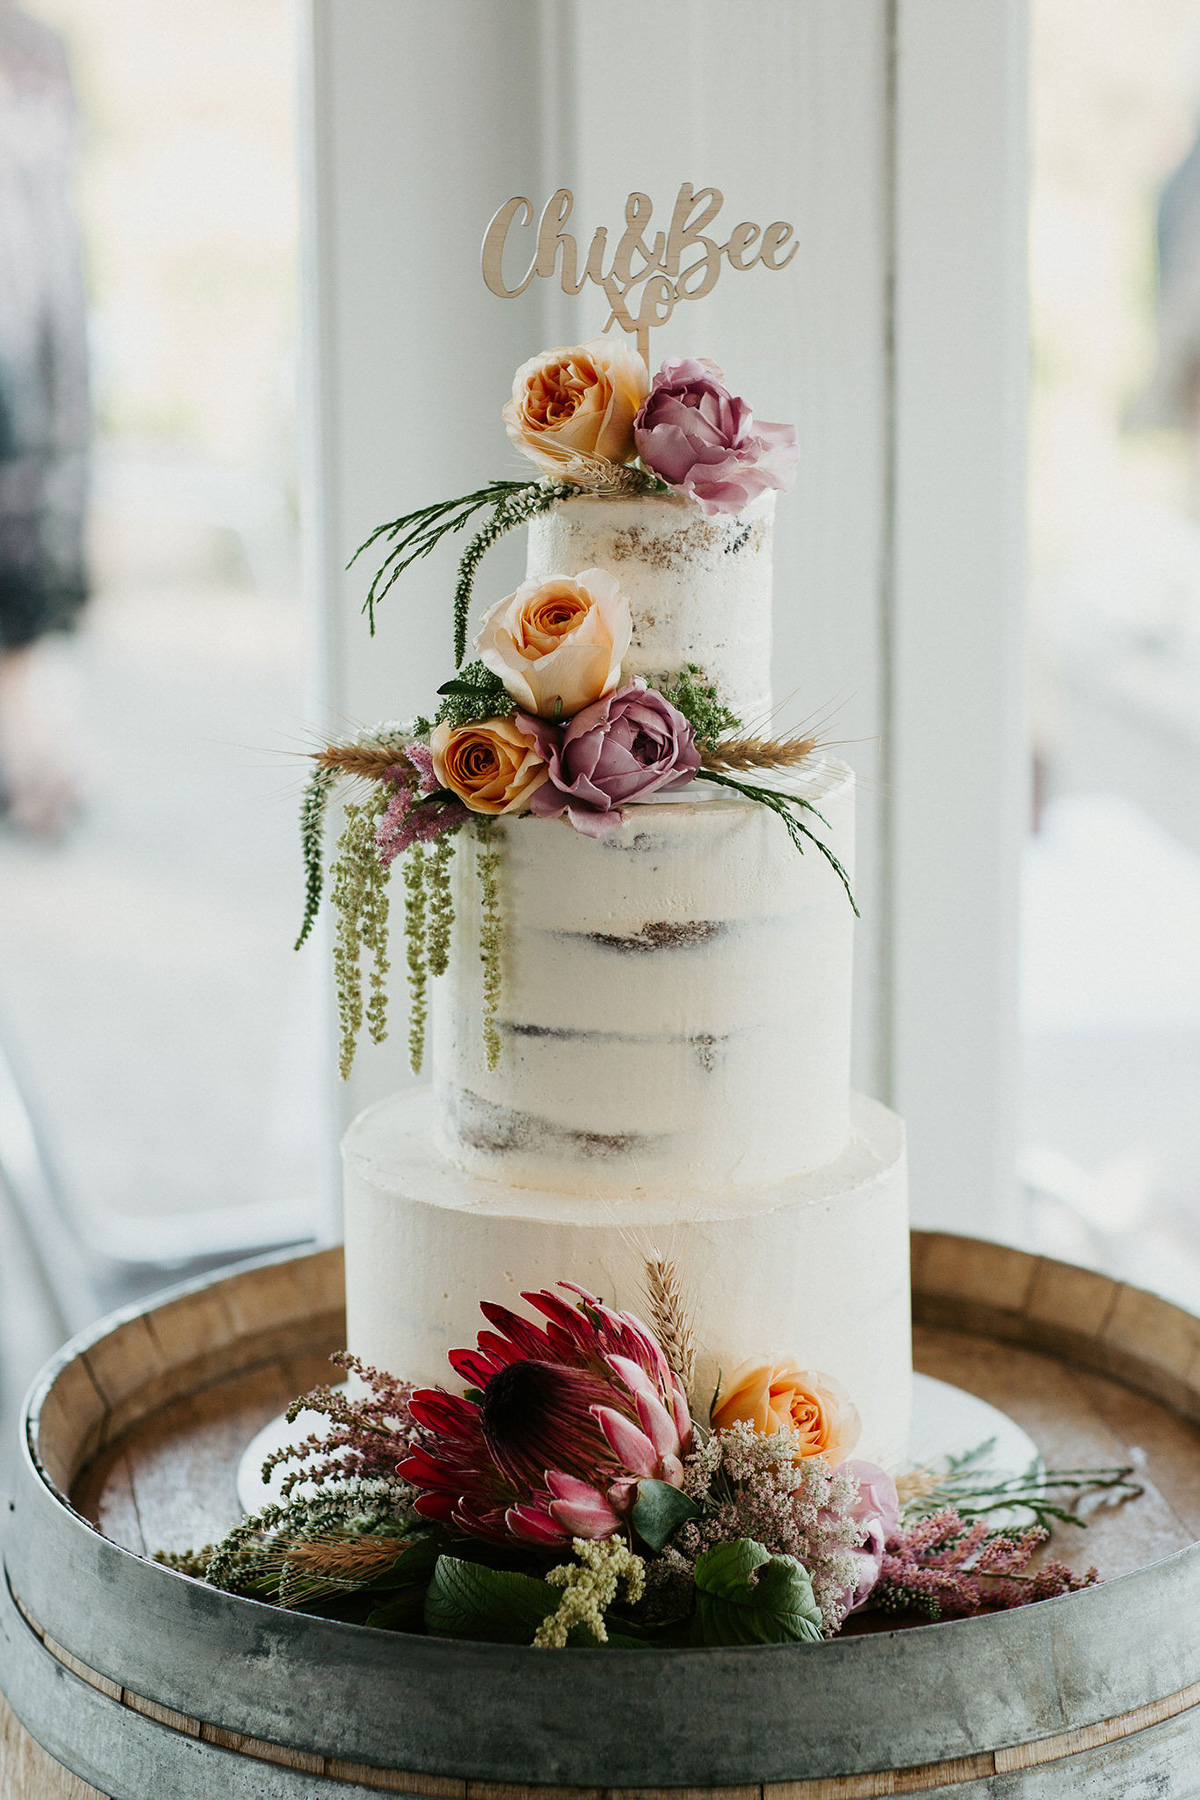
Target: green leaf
(466,1600)
(415,1567)
(404,1613)
(462,687)
(660,1510)
(744,1595)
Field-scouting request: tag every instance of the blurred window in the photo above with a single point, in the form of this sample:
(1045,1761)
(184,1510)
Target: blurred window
(168,1042)
(1111,960)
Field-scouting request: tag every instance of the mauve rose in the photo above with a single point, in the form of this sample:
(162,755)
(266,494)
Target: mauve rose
(624,747)
(878,1511)
(702,439)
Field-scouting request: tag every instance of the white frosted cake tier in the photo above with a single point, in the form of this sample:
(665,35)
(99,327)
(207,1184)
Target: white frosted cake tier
(699,589)
(814,1270)
(674,1006)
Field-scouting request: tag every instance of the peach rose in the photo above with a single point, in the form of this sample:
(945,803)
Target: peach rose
(579,403)
(492,767)
(557,644)
(778,1396)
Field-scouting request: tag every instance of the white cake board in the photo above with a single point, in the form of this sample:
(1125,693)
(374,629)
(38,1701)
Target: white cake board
(946,1421)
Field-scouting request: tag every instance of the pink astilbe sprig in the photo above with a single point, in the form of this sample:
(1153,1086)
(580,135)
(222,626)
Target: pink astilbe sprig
(560,1423)
(369,1432)
(417,812)
(421,758)
(946,1566)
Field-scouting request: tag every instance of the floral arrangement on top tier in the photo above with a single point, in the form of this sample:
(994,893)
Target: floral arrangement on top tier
(544,721)
(575,1494)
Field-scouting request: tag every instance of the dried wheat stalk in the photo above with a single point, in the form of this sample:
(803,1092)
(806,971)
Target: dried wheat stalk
(914,1484)
(373,762)
(352,1560)
(669,1320)
(759,753)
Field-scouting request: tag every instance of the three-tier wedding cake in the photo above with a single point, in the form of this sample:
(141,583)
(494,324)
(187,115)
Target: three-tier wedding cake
(654,1060)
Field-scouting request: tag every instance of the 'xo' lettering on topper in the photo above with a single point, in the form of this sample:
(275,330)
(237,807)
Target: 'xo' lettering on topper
(682,263)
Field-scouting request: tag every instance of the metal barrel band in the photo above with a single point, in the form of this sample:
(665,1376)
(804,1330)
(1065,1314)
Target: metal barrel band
(916,1779)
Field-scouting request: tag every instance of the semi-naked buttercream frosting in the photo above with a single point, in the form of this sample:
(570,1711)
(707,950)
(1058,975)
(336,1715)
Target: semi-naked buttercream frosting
(812,1270)
(699,588)
(675,1008)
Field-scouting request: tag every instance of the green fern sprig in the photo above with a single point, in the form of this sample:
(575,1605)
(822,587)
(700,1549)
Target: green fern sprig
(692,693)
(513,503)
(781,804)
(476,693)
(313,807)
(976,1493)
(417,533)
(516,507)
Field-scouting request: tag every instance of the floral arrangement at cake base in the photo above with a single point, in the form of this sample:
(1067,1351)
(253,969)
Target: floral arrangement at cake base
(573,1495)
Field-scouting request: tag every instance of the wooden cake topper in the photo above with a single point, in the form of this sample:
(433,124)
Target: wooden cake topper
(681,263)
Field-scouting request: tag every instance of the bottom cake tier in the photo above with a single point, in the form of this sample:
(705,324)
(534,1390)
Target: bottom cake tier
(813,1271)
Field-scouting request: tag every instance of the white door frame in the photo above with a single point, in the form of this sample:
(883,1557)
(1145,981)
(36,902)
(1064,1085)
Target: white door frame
(957,761)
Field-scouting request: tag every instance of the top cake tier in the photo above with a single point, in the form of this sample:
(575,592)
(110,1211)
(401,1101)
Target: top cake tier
(699,589)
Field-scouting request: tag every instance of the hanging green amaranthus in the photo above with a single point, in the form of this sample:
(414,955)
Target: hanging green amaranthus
(417,952)
(441,902)
(360,898)
(489,935)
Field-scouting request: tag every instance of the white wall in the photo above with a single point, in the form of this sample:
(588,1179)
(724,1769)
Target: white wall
(423,119)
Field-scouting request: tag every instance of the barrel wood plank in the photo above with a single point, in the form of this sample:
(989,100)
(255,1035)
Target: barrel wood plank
(170,1482)
(1078,1420)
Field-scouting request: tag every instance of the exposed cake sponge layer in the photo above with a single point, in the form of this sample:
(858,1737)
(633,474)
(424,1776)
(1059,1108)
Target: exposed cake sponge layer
(675,1000)
(813,1270)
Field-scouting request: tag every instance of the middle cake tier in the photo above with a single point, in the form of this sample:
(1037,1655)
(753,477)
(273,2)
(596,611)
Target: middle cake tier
(675,1000)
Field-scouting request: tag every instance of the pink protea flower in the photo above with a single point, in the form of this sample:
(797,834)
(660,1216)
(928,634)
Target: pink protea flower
(560,1424)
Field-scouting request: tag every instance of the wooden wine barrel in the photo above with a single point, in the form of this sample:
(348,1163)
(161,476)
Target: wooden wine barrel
(147,1684)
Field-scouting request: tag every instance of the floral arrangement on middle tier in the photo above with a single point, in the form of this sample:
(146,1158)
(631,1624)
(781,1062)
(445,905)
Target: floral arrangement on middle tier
(546,720)
(574,1494)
